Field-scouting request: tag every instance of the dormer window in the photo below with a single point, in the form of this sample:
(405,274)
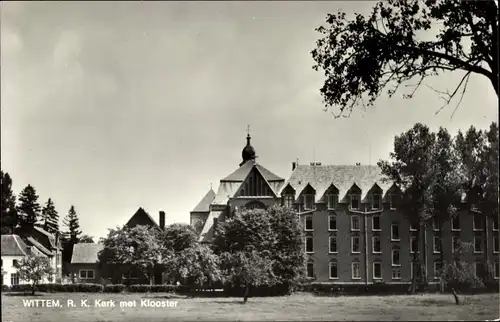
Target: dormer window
(308,202)
(288,200)
(332,200)
(392,205)
(376,202)
(355,201)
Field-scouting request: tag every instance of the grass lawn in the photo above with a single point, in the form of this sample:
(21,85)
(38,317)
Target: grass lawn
(296,307)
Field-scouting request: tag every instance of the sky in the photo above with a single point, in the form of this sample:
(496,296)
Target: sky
(112,106)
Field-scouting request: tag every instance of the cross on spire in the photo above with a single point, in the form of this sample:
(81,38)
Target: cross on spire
(248,130)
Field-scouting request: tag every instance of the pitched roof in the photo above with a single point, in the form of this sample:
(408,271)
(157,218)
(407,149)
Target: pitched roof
(226,190)
(320,177)
(207,232)
(242,172)
(204,204)
(33,242)
(142,216)
(86,253)
(13,245)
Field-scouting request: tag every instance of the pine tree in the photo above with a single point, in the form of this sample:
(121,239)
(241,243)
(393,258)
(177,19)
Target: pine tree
(29,208)
(8,205)
(72,232)
(50,217)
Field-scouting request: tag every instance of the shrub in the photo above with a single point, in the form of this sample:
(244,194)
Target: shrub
(5,288)
(461,277)
(114,288)
(152,288)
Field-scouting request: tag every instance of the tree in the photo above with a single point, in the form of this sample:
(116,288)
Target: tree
(413,170)
(8,205)
(29,208)
(364,56)
(196,265)
(248,268)
(275,230)
(50,217)
(86,239)
(34,268)
(138,247)
(178,237)
(72,224)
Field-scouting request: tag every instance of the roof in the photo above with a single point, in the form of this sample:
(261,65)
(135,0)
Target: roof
(204,204)
(226,190)
(33,242)
(242,172)
(86,253)
(51,237)
(13,245)
(343,177)
(143,217)
(207,232)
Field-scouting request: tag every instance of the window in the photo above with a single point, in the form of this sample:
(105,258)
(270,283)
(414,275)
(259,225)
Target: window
(333,244)
(355,223)
(455,243)
(333,270)
(495,244)
(355,202)
(413,244)
(395,232)
(309,244)
(478,244)
(413,227)
(356,274)
(478,222)
(376,244)
(308,222)
(396,273)
(332,201)
(355,247)
(332,222)
(14,262)
(495,224)
(86,274)
(310,270)
(455,223)
(478,269)
(376,202)
(474,207)
(436,244)
(392,205)
(288,201)
(376,223)
(435,223)
(14,279)
(308,202)
(377,270)
(438,266)
(395,257)
(496,270)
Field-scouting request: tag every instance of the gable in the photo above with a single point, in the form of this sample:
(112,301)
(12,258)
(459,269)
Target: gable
(141,217)
(288,190)
(255,185)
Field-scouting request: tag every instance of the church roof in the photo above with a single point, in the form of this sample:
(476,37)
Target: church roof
(242,172)
(343,177)
(141,217)
(204,204)
(207,232)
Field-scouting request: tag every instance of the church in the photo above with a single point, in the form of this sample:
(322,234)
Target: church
(353,231)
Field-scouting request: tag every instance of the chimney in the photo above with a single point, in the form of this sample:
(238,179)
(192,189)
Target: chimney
(294,165)
(162,220)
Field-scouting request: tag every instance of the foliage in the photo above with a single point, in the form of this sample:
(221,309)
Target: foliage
(86,239)
(461,276)
(72,230)
(275,231)
(178,237)
(363,56)
(114,288)
(194,266)
(8,205)
(138,246)
(29,208)
(50,217)
(33,268)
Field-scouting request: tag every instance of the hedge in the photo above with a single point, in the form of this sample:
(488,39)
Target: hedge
(114,288)
(92,288)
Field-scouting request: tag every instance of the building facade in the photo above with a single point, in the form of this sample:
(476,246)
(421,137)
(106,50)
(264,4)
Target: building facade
(354,231)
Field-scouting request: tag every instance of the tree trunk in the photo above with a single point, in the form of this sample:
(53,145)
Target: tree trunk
(457,300)
(247,291)
(33,287)
(416,261)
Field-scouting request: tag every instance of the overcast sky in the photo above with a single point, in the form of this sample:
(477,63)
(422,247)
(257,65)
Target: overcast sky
(114,106)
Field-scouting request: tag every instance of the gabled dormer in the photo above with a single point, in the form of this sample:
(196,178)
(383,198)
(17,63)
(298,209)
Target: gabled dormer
(255,185)
(307,198)
(331,197)
(374,197)
(354,197)
(288,196)
(392,197)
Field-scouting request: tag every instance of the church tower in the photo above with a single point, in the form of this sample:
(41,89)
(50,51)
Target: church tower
(248,152)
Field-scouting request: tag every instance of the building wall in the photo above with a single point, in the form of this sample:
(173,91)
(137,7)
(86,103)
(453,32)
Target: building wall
(9,269)
(344,257)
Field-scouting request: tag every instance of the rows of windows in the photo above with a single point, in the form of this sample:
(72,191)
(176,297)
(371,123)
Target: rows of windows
(395,270)
(332,201)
